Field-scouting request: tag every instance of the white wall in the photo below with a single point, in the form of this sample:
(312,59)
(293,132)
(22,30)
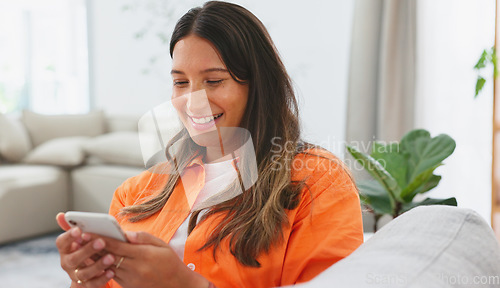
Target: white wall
(452,35)
(313,38)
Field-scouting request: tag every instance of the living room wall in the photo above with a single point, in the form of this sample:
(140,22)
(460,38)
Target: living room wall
(313,38)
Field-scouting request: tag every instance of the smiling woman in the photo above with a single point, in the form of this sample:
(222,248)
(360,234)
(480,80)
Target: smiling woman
(282,227)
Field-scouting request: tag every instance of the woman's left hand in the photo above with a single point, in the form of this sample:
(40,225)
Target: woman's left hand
(150,262)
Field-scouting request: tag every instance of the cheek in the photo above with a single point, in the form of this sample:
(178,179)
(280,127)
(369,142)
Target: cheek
(241,100)
(179,103)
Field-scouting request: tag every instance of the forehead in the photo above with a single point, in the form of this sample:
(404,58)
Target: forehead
(195,53)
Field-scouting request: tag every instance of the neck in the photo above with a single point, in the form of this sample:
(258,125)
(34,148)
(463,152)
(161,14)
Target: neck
(214,155)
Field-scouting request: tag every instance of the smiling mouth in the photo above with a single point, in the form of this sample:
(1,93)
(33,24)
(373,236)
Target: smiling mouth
(205,120)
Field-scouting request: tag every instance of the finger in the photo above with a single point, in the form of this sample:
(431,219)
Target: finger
(98,281)
(75,246)
(61,221)
(88,237)
(77,258)
(120,248)
(65,240)
(144,238)
(95,270)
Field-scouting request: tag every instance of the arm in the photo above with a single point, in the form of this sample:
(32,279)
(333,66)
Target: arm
(327,226)
(147,260)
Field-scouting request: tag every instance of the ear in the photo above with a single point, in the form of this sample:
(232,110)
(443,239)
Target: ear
(61,221)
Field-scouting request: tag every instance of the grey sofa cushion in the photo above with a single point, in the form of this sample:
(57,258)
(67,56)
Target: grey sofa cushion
(42,128)
(30,197)
(431,246)
(14,139)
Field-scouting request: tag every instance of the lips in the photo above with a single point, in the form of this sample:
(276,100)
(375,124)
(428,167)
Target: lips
(204,122)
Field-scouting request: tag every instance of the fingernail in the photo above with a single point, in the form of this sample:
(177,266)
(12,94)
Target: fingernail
(110,274)
(86,236)
(98,244)
(75,232)
(108,259)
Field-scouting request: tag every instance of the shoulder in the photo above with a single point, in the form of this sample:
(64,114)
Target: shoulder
(142,185)
(321,172)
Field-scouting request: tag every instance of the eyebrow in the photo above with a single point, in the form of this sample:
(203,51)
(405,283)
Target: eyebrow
(204,71)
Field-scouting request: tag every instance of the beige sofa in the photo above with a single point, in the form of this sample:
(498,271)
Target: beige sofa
(59,163)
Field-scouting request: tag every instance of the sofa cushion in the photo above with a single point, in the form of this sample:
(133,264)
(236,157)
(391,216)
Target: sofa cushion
(429,246)
(121,148)
(42,128)
(14,139)
(30,197)
(93,186)
(66,152)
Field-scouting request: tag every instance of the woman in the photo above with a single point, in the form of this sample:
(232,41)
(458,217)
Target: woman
(298,217)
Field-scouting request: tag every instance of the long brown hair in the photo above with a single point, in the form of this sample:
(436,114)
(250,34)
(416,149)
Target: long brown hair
(254,220)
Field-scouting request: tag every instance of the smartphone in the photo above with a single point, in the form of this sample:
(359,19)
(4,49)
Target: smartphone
(98,223)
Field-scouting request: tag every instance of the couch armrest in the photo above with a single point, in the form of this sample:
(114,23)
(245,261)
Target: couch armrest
(429,246)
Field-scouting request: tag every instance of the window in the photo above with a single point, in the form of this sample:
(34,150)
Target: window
(43,56)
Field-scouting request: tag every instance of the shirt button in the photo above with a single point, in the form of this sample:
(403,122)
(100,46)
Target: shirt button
(191,266)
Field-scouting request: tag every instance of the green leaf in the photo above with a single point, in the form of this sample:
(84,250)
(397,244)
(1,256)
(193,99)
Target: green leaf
(378,172)
(429,201)
(392,160)
(479,85)
(494,60)
(431,183)
(425,155)
(411,190)
(481,63)
(374,195)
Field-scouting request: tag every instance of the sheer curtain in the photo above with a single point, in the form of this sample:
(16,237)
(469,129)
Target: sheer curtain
(381,90)
(382,70)
(43,56)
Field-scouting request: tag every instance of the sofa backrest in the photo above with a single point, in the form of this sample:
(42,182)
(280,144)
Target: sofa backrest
(118,123)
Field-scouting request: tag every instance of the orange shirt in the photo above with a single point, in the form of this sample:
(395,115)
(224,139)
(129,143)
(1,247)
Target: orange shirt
(325,227)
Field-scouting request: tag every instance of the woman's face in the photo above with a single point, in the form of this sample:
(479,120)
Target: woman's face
(204,93)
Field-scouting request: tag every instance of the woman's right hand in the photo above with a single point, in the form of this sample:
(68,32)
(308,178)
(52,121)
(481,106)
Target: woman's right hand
(77,254)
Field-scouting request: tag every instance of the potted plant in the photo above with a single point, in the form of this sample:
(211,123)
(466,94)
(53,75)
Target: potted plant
(401,171)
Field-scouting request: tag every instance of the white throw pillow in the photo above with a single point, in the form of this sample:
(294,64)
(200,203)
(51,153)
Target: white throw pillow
(42,128)
(121,148)
(14,139)
(65,152)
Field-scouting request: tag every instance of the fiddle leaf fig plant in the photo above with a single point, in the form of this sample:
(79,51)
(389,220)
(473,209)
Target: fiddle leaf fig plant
(403,170)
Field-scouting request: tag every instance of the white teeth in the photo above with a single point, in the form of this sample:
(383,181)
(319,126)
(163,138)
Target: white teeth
(204,120)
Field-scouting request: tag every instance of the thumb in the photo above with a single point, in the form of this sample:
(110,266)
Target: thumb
(61,221)
(144,238)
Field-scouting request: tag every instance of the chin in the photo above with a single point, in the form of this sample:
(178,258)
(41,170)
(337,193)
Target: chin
(205,138)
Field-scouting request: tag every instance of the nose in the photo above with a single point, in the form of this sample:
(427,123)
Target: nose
(197,103)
